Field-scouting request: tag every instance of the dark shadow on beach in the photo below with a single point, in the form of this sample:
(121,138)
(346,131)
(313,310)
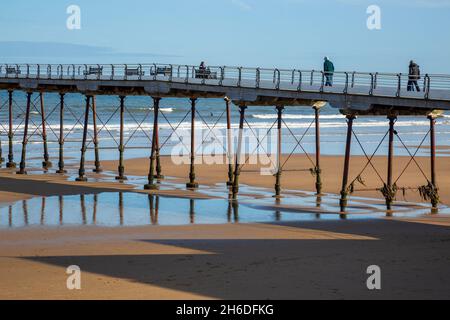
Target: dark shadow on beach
(414,260)
(46,189)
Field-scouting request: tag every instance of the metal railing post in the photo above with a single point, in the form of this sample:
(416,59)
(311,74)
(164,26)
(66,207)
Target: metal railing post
(346,83)
(300,80)
(258,77)
(240,76)
(399,84)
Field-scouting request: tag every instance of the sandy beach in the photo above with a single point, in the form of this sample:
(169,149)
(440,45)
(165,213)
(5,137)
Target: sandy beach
(298,260)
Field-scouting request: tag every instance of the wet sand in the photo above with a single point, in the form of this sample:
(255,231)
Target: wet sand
(302,260)
(332,168)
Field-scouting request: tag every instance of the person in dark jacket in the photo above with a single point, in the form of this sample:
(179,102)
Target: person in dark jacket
(328,69)
(414,76)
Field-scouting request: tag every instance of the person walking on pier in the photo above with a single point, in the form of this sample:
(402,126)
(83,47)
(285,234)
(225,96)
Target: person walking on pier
(328,68)
(414,76)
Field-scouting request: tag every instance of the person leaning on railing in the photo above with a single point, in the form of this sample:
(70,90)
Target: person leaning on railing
(328,68)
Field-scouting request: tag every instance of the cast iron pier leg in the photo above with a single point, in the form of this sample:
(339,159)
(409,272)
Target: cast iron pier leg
(434,199)
(81,172)
(237,166)
(192,184)
(318,170)
(229,144)
(25,136)
(344,191)
(121,168)
(151,175)
(98,168)
(158,175)
(390,196)
(11,163)
(278,174)
(46,164)
(61,135)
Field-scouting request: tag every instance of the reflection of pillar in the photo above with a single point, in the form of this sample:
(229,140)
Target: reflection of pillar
(151,204)
(192,211)
(121,168)
(61,210)
(83,209)
(25,211)
(278,173)
(236,211)
(435,196)
(97,168)
(94,213)
(1,153)
(344,191)
(46,163)
(82,171)
(229,144)
(151,175)
(192,184)
(25,136)
(277,212)
(318,201)
(10,220)
(318,170)
(237,166)
(61,135)
(43,211)
(11,163)
(390,192)
(121,207)
(154,209)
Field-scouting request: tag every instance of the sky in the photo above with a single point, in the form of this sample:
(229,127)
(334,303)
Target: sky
(264,33)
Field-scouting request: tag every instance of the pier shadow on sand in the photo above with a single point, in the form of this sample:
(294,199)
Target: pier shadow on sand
(413,259)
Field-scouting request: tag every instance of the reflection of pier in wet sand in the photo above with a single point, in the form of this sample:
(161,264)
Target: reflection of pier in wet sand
(129,209)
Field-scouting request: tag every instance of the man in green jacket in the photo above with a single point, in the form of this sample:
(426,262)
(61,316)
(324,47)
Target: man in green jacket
(328,69)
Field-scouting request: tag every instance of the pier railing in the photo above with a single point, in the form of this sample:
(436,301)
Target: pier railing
(432,86)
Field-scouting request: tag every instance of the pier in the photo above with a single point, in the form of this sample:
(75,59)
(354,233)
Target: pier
(353,94)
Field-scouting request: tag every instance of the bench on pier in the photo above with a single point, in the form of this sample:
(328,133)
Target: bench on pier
(12,70)
(93,71)
(134,72)
(205,74)
(164,71)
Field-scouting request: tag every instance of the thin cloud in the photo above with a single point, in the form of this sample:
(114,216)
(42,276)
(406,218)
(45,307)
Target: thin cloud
(242,5)
(406,3)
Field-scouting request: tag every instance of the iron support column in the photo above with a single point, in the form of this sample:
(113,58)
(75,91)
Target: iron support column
(25,136)
(46,164)
(318,170)
(81,172)
(151,175)
(229,144)
(121,167)
(158,175)
(11,163)
(435,195)
(61,135)
(390,192)
(344,191)
(192,184)
(278,174)
(97,168)
(237,166)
